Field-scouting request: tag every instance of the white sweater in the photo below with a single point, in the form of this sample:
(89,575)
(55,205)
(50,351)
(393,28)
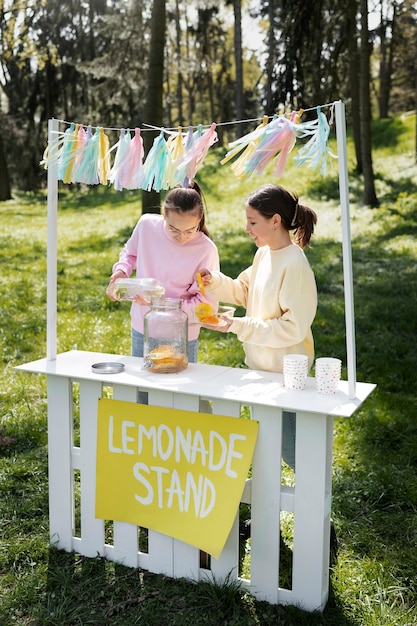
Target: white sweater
(279,294)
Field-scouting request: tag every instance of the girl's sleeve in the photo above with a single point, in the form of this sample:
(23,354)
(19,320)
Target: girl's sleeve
(192,295)
(128,255)
(231,290)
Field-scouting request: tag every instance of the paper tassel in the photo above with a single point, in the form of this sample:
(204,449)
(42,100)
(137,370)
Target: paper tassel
(122,148)
(247,141)
(181,163)
(153,174)
(195,153)
(87,171)
(103,157)
(315,151)
(131,168)
(72,155)
(287,141)
(176,145)
(135,155)
(251,141)
(67,147)
(278,140)
(81,166)
(198,151)
(81,142)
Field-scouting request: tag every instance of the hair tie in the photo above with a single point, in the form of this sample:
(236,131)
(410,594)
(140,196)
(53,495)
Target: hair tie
(294,219)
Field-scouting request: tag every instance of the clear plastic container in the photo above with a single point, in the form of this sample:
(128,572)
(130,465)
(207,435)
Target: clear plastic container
(207,316)
(128,288)
(165,347)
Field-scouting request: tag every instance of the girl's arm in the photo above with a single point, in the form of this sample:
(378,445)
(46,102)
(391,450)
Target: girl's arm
(126,263)
(193,295)
(226,289)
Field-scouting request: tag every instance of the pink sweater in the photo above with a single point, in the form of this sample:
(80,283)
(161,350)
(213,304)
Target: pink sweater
(153,254)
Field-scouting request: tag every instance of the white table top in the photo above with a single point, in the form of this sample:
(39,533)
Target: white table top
(211,381)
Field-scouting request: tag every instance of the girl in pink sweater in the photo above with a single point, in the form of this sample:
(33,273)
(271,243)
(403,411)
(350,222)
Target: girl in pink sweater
(170,248)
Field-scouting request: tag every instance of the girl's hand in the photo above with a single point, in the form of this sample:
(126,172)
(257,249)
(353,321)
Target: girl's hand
(141,300)
(113,277)
(205,276)
(223,328)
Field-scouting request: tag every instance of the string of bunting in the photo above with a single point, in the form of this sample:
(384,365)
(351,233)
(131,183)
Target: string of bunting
(83,154)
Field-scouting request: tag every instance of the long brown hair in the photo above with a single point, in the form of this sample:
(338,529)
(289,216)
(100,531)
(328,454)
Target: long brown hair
(272,199)
(188,200)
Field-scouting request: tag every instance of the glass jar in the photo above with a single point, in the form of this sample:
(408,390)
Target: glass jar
(165,331)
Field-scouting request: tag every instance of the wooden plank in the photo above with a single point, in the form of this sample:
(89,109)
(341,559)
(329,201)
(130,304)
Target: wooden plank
(266,495)
(92,528)
(312,511)
(161,547)
(60,473)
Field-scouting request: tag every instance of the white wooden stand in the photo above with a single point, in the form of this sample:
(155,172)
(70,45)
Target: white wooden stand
(228,389)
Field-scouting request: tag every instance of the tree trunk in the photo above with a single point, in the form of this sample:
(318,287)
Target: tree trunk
(153,110)
(386,61)
(5,191)
(179,69)
(415,95)
(352,9)
(237,8)
(370,198)
(269,65)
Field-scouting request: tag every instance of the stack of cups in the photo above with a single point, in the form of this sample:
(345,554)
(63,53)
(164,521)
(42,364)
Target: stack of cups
(295,368)
(328,374)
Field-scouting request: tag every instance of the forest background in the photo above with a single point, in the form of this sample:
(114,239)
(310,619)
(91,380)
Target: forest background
(123,63)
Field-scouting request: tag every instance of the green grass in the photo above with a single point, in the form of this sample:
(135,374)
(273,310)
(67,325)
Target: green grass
(373,580)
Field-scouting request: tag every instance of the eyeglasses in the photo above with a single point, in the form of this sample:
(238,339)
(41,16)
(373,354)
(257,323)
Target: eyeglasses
(175,232)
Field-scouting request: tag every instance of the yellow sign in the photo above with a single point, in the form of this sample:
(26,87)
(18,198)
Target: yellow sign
(177,472)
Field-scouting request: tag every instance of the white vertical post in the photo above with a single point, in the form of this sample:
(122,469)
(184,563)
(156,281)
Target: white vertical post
(346,246)
(313,462)
(52,241)
(60,474)
(266,504)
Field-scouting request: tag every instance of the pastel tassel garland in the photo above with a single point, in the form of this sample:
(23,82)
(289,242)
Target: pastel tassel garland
(83,156)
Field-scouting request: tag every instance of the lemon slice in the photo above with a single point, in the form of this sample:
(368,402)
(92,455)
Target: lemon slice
(200,283)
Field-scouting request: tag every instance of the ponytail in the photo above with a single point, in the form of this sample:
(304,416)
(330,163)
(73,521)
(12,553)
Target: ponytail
(303,221)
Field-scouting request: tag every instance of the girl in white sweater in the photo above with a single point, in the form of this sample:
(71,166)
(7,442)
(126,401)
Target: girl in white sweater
(278,290)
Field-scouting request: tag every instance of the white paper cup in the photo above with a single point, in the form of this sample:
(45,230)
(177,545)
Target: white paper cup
(327,371)
(295,369)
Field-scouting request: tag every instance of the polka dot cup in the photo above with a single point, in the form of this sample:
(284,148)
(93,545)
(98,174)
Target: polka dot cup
(295,368)
(328,372)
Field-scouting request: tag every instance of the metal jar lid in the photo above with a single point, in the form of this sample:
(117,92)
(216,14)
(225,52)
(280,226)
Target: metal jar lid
(107,367)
